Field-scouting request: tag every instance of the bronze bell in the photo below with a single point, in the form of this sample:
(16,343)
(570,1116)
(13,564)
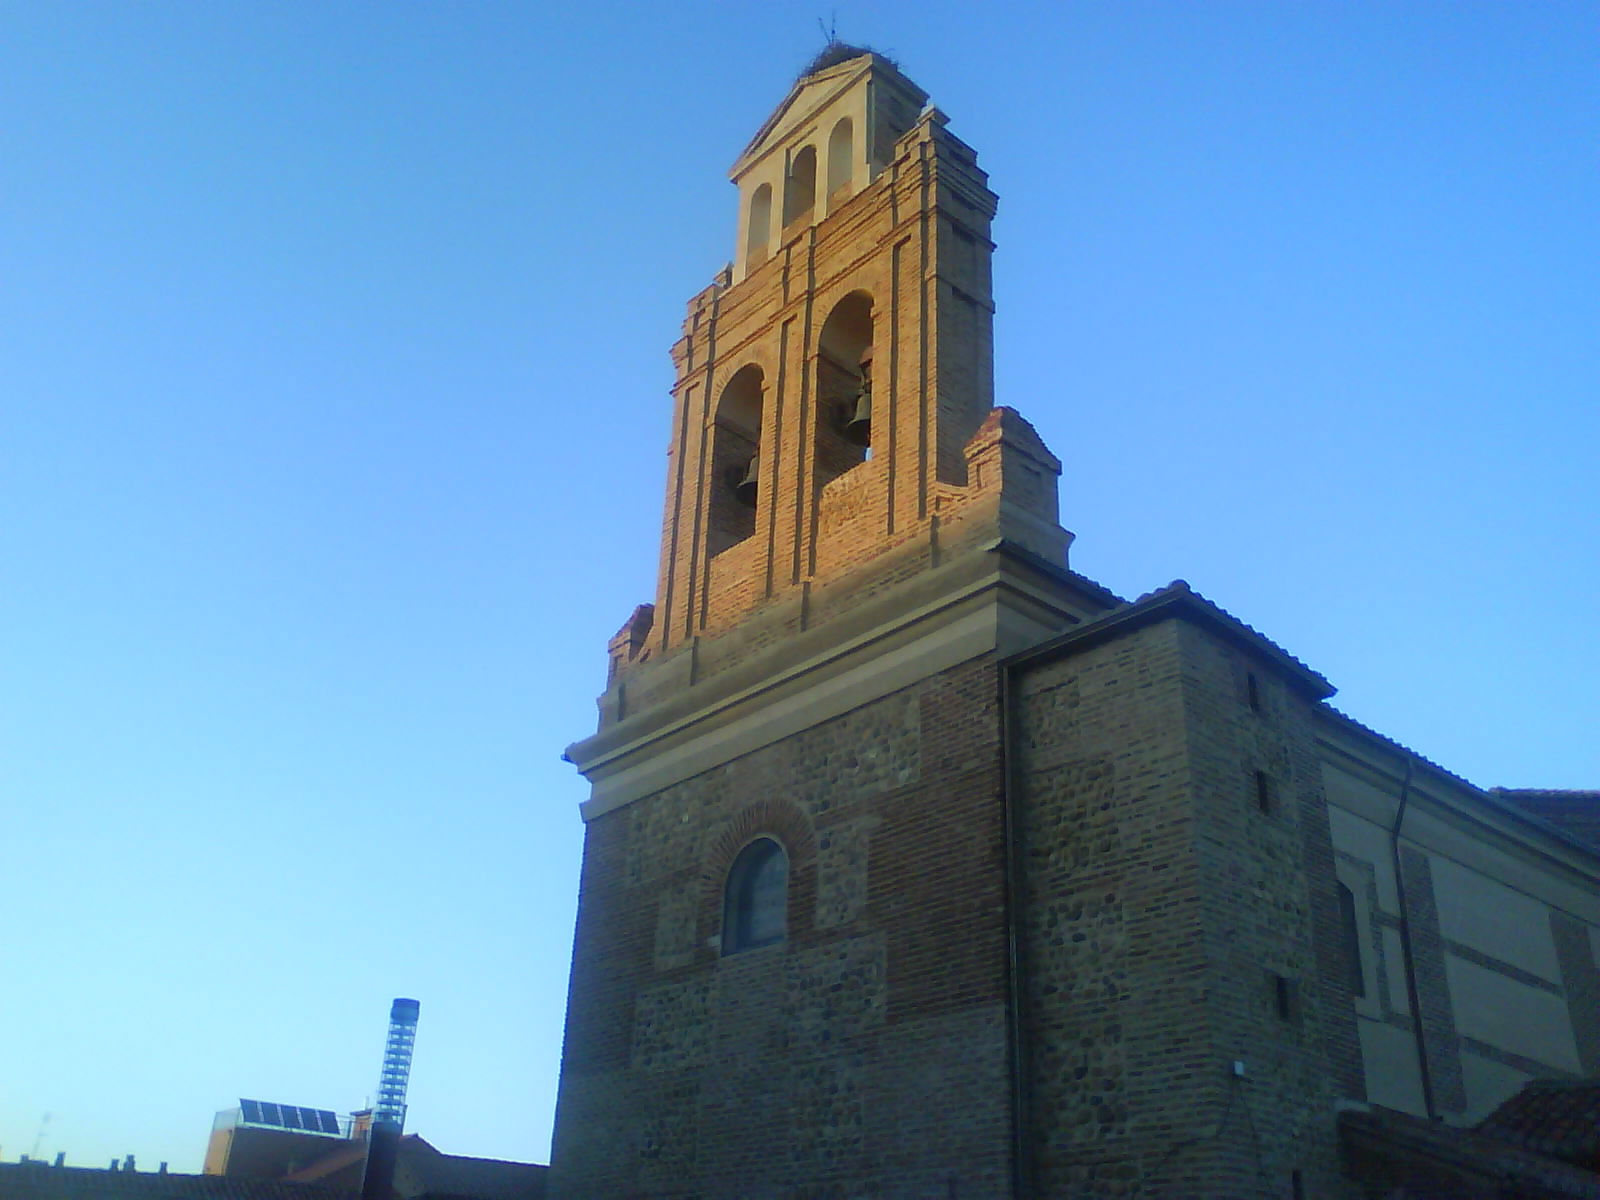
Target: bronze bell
(858,422)
(744,491)
(858,416)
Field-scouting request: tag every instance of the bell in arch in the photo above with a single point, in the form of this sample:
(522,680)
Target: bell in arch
(858,413)
(744,490)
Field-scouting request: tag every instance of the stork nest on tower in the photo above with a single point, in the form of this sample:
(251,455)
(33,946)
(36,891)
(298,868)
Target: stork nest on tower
(836,52)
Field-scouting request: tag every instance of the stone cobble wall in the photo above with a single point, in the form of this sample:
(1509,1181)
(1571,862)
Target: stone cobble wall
(797,1069)
(1163,902)
(1279,993)
(1111,956)
(842,870)
(671,1025)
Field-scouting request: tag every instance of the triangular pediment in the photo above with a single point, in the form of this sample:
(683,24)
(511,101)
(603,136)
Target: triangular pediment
(814,91)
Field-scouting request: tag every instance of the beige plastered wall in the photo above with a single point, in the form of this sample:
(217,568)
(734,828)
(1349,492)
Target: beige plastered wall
(1495,882)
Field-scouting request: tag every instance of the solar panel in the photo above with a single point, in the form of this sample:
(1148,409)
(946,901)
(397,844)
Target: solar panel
(289,1116)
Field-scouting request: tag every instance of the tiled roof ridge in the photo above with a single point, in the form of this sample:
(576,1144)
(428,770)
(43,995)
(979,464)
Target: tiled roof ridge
(1559,1117)
(1553,793)
(1496,797)
(510,1162)
(1483,1152)
(1096,585)
(92,1184)
(1182,587)
(1177,599)
(1404,749)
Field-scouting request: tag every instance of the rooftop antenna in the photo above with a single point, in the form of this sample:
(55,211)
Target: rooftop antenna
(389,1113)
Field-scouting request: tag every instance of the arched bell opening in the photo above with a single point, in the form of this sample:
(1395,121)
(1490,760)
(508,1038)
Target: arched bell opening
(758,226)
(800,186)
(841,156)
(735,460)
(844,388)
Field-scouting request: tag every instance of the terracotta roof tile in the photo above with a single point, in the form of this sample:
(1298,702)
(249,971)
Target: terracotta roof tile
(1427,1158)
(437,1175)
(37,1181)
(1557,1117)
(1513,802)
(1577,812)
(1179,599)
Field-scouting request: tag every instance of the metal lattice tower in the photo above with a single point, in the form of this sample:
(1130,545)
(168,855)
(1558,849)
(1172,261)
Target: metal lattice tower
(391,1105)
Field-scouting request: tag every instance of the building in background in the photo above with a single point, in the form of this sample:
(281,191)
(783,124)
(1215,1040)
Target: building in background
(261,1140)
(325,1153)
(917,864)
(421,1173)
(263,1151)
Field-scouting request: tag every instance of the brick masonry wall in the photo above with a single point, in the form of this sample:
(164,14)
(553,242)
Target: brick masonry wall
(916,240)
(863,1055)
(1433,984)
(1271,908)
(1159,901)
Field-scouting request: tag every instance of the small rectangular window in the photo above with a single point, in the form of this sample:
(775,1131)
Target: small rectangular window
(1297,1185)
(1285,997)
(1266,799)
(1252,687)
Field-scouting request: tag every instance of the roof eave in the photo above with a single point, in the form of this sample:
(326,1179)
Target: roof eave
(1178,601)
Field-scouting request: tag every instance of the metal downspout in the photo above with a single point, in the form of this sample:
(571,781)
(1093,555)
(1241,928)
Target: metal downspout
(1424,1072)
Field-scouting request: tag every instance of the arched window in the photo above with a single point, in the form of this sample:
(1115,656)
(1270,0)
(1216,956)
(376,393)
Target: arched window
(755,904)
(758,230)
(1354,971)
(735,460)
(800,189)
(845,388)
(841,155)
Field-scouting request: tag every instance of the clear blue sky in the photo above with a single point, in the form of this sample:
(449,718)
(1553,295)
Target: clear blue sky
(333,339)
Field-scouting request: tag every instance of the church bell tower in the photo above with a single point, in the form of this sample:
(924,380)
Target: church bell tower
(830,382)
(789,972)
(912,858)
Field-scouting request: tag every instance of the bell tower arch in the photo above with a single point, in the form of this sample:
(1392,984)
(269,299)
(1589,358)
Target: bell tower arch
(860,294)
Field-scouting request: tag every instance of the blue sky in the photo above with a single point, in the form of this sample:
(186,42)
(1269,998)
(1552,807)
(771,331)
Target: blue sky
(334,346)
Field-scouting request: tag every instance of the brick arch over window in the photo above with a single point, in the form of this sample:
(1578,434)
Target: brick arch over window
(778,821)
